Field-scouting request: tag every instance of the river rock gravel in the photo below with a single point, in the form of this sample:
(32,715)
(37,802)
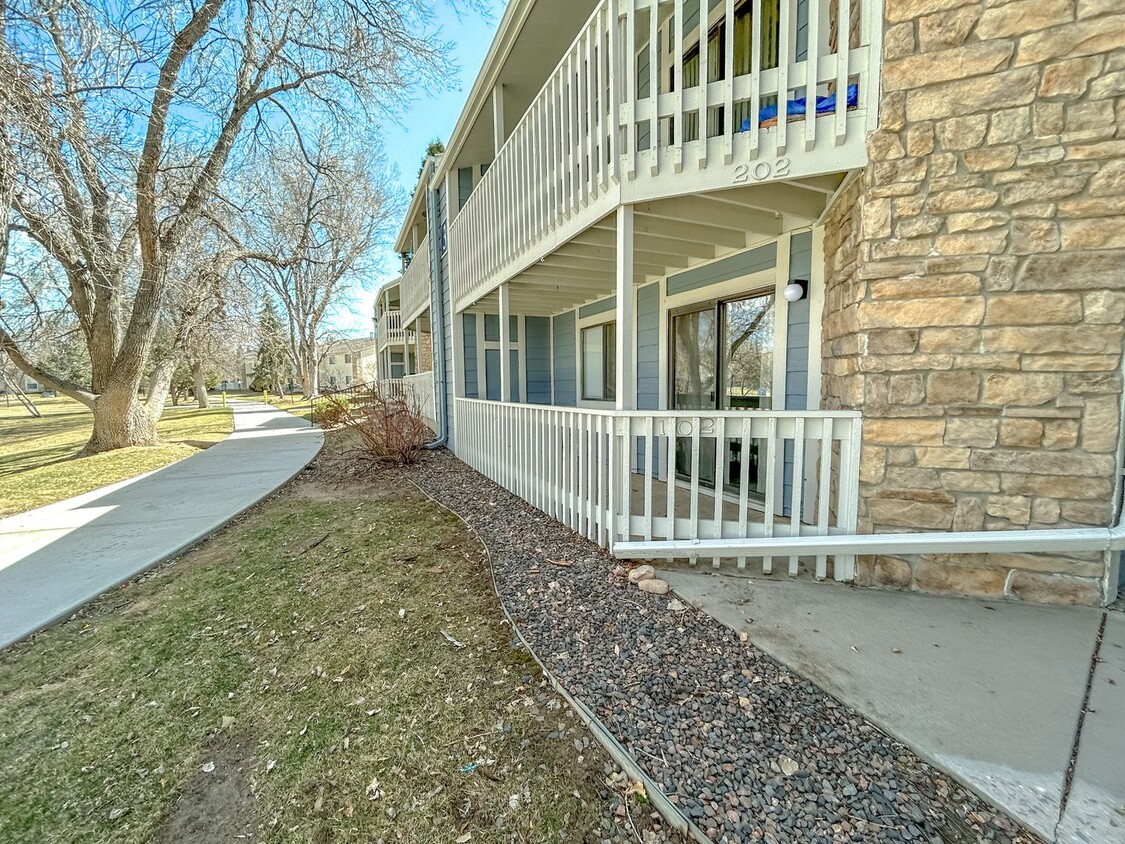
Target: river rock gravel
(747,749)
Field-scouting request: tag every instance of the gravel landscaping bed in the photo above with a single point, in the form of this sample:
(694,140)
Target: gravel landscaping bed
(747,749)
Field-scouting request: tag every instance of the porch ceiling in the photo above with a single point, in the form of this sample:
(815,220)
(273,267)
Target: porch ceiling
(670,235)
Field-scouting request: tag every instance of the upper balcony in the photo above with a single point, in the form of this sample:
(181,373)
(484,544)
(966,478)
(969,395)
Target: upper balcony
(653,100)
(390,329)
(414,288)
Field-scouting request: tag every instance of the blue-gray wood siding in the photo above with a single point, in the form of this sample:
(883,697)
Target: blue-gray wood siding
(755,260)
(469,332)
(464,185)
(599,307)
(537,354)
(648,347)
(492,375)
(796,350)
(565,360)
(439,264)
(492,328)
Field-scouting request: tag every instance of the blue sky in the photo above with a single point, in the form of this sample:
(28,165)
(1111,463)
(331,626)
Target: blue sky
(429,116)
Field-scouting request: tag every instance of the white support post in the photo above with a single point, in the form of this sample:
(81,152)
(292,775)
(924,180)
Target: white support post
(626,379)
(498,118)
(505,344)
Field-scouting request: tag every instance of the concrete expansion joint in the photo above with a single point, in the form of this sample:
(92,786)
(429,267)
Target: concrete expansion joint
(1068,780)
(676,819)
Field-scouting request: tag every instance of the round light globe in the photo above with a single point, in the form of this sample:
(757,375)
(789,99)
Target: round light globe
(793,292)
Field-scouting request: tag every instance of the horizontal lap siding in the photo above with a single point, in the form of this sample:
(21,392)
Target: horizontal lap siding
(648,355)
(538,357)
(565,359)
(469,332)
(745,263)
(797,350)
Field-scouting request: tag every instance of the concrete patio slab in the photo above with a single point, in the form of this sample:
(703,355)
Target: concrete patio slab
(1095,811)
(990,691)
(58,557)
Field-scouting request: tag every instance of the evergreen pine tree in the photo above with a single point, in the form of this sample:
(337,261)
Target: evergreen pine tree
(272,366)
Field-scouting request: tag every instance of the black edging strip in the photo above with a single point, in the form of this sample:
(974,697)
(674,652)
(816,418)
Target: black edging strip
(1068,780)
(668,810)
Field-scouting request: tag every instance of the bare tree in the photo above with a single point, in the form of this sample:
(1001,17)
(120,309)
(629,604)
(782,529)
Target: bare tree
(117,123)
(321,216)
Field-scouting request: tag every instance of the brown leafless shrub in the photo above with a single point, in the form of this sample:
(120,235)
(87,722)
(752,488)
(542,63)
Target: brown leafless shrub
(331,411)
(391,427)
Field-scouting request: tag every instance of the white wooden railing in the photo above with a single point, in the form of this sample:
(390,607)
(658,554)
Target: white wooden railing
(392,388)
(414,287)
(605,129)
(390,329)
(605,474)
(420,388)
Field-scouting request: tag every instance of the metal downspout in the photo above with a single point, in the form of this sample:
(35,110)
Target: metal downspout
(437,310)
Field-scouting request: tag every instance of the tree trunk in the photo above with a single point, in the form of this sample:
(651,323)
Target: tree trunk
(200,387)
(120,421)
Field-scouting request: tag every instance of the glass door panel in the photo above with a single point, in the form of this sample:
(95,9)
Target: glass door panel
(747,377)
(695,358)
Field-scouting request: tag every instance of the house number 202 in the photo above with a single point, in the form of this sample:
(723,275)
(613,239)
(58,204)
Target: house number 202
(760,171)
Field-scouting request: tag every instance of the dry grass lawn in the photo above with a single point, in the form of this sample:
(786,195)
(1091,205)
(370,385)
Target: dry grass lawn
(290,681)
(37,456)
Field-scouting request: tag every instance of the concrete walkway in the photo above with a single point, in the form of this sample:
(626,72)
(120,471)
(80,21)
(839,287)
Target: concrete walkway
(56,558)
(990,691)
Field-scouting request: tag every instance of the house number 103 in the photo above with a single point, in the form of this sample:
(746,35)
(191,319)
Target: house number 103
(760,171)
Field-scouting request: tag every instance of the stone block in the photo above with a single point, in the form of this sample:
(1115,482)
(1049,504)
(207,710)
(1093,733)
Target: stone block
(1071,363)
(1023,16)
(1101,206)
(1082,38)
(1043,189)
(1033,309)
(1045,588)
(962,481)
(1072,271)
(1019,388)
(898,41)
(970,431)
(975,221)
(1045,511)
(1060,434)
(979,94)
(968,199)
(911,513)
(916,227)
(892,342)
(923,69)
(1030,237)
(943,30)
(1087,513)
(922,312)
(885,146)
(945,457)
(968,515)
(1038,211)
(1078,235)
(1104,307)
(949,339)
(920,138)
(892,572)
(987,159)
(910,477)
(1061,465)
(905,10)
(1057,486)
(872,464)
(1101,423)
(948,578)
(1014,508)
(906,389)
(1009,125)
(900,455)
(1069,78)
(973,243)
(876,216)
(903,431)
(961,133)
(956,387)
(1038,340)
(1109,180)
(950,284)
(1001,272)
(1021,433)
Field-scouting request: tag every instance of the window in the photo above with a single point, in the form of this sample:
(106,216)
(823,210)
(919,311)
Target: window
(331,360)
(347,380)
(347,358)
(599,362)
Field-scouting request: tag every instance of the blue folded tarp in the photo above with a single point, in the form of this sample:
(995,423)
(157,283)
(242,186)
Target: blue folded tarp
(796,107)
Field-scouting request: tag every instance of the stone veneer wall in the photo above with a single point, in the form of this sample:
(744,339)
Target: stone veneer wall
(976,288)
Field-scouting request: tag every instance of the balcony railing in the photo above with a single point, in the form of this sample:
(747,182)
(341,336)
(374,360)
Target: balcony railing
(606,129)
(420,389)
(390,329)
(414,288)
(674,475)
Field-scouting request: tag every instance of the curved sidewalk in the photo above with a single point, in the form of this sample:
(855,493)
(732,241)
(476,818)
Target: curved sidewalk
(56,558)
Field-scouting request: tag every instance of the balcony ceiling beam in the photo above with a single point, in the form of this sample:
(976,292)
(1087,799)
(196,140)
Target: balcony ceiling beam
(700,210)
(827,185)
(690,231)
(649,244)
(595,262)
(657,262)
(780,198)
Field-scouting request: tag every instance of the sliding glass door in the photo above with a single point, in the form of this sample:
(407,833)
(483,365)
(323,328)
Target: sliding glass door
(722,359)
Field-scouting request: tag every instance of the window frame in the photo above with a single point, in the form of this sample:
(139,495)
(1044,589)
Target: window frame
(608,331)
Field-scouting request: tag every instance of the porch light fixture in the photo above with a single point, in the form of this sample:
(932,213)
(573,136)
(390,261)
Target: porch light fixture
(795,290)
